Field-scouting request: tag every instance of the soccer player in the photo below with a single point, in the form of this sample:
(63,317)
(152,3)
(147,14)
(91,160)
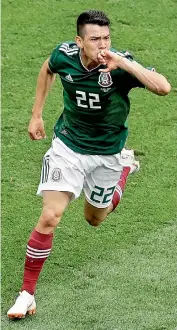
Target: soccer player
(87,151)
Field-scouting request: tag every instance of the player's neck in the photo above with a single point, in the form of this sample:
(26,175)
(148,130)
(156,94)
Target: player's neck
(87,62)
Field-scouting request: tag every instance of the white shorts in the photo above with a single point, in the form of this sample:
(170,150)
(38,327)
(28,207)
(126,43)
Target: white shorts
(65,170)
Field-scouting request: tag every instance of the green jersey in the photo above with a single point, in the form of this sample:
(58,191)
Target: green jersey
(96,104)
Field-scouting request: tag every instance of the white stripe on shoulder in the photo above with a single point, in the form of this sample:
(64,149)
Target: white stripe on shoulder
(69,52)
(63,49)
(67,47)
(72,53)
(64,43)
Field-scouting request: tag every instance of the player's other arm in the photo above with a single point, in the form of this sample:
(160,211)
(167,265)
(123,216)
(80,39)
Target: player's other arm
(44,83)
(152,80)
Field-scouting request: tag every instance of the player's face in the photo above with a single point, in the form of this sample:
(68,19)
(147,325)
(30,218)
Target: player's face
(95,39)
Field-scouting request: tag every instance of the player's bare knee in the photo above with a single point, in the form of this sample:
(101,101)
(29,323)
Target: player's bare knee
(93,223)
(94,220)
(50,217)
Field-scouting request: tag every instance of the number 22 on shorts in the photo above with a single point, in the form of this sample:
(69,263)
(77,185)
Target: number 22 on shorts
(102,195)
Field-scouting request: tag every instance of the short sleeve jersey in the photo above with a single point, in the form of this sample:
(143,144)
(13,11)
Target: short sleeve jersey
(96,105)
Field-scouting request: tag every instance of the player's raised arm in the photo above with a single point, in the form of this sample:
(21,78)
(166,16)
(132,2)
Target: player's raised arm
(152,80)
(45,80)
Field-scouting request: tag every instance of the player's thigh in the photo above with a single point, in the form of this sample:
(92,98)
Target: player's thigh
(54,204)
(61,171)
(56,200)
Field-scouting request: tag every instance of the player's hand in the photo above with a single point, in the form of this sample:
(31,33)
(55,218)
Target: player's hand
(36,128)
(110,59)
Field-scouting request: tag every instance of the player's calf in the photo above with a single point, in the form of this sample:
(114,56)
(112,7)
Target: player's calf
(93,215)
(130,166)
(93,221)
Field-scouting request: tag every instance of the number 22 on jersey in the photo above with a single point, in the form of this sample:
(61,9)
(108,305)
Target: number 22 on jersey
(89,100)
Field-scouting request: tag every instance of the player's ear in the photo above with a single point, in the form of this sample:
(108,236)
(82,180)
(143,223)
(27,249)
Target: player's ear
(79,41)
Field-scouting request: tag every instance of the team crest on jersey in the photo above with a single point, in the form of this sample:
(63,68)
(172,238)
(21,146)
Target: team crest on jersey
(56,175)
(105,79)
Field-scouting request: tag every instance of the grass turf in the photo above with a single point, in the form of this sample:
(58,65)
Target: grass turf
(122,275)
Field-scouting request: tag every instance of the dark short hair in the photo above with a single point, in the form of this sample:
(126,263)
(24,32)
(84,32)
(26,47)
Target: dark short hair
(96,17)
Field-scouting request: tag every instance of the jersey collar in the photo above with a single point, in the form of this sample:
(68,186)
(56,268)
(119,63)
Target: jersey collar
(85,66)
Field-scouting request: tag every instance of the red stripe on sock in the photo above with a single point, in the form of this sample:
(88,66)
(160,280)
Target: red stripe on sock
(121,186)
(34,266)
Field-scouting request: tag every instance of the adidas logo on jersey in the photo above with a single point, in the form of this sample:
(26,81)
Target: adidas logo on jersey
(105,89)
(68,77)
